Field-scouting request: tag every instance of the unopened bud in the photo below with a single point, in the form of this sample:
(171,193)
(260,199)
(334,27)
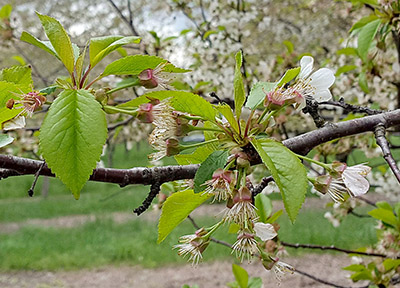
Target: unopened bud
(173,147)
(145,114)
(147,79)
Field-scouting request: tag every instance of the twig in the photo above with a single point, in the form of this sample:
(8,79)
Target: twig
(128,22)
(260,187)
(34,69)
(311,246)
(369,202)
(359,215)
(31,190)
(324,281)
(154,190)
(347,108)
(195,225)
(312,109)
(122,123)
(387,154)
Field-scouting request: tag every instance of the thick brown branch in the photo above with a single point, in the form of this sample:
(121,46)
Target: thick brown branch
(301,144)
(123,177)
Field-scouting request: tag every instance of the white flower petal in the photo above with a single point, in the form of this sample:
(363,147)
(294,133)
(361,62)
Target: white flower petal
(13,124)
(306,65)
(360,169)
(322,95)
(322,79)
(355,182)
(265,231)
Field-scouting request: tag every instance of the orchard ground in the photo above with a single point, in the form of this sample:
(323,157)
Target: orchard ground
(56,241)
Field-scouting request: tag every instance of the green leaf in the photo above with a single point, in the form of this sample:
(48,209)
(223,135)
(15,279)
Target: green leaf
(354,268)
(21,75)
(384,215)
(233,228)
(133,65)
(180,100)
(288,172)
(100,47)
(345,69)
(264,207)
(44,45)
(5,140)
(275,216)
(362,81)
(241,275)
(384,205)
(216,160)
(362,275)
(175,209)
(365,37)
(192,103)
(209,33)
(5,11)
(160,95)
(390,264)
(19,59)
(289,46)
(347,51)
(72,137)
(255,282)
(7,114)
(59,40)
(227,112)
(6,92)
(363,21)
(370,2)
(48,90)
(79,64)
(258,93)
(288,76)
(238,85)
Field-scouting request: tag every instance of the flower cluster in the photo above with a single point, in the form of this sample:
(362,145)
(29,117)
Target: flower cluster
(343,180)
(28,103)
(193,245)
(315,86)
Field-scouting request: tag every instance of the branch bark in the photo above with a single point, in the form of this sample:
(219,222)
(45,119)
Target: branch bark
(301,144)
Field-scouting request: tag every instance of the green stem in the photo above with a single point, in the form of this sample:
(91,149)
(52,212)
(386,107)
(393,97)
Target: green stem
(213,229)
(262,116)
(132,84)
(230,164)
(91,83)
(323,165)
(119,110)
(195,128)
(184,147)
(189,117)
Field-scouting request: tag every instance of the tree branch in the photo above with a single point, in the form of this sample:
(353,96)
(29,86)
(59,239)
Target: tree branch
(387,154)
(324,281)
(333,248)
(301,144)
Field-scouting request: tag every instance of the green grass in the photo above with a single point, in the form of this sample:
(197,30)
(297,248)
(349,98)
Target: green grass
(104,242)
(95,244)
(312,228)
(108,198)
